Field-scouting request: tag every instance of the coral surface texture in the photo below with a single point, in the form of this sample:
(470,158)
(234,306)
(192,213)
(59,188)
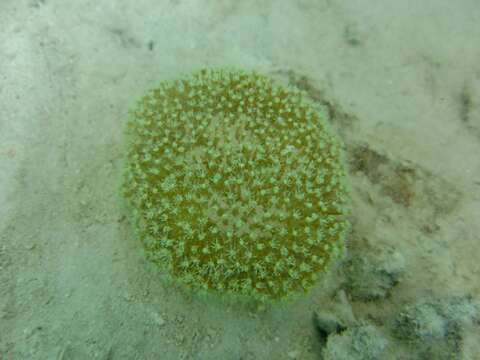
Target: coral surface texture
(237,184)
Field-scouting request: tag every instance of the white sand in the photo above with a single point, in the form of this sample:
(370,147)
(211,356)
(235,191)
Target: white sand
(73,281)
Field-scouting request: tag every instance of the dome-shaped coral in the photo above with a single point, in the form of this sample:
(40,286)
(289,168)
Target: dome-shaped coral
(236,184)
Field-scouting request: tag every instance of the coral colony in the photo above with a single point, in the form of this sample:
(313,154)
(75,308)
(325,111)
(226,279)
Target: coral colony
(236,184)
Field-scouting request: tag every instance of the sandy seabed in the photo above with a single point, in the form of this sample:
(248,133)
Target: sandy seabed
(401,83)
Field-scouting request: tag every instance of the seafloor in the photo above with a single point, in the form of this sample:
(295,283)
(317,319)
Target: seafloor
(401,82)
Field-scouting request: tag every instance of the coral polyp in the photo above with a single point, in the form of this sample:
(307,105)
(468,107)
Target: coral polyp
(236,183)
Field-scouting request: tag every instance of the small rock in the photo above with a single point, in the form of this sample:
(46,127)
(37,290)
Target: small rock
(363,342)
(372,272)
(334,317)
(328,323)
(437,327)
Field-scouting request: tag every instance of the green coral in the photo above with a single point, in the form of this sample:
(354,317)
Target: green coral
(237,184)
